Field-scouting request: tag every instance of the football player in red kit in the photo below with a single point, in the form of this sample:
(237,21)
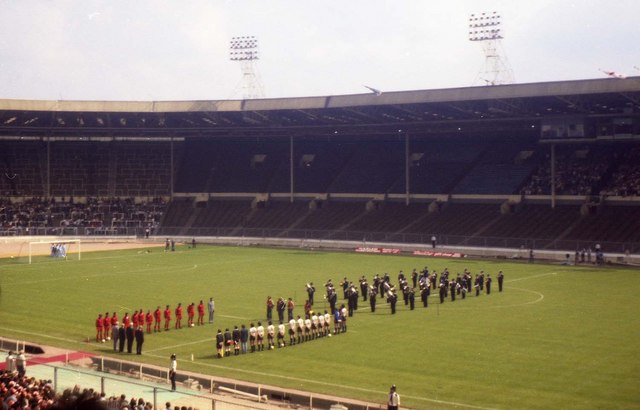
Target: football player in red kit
(201,313)
(190,314)
(158,316)
(126,321)
(167,317)
(99,328)
(106,326)
(134,319)
(149,320)
(179,316)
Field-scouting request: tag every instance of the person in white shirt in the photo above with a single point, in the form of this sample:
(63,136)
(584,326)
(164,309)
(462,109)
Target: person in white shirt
(327,323)
(281,334)
(173,368)
(307,329)
(260,336)
(300,329)
(292,331)
(253,333)
(270,334)
(21,363)
(394,399)
(314,325)
(321,326)
(10,362)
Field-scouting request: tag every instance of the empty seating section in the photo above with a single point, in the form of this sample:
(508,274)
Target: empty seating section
(500,170)
(226,214)
(277,215)
(534,221)
(142,169)
(456,219)
(613,224)
(373,168)
(389,217)
(435,167)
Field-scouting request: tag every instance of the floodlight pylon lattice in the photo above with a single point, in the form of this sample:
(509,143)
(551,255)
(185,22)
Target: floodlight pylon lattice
(486,28)
(245,51)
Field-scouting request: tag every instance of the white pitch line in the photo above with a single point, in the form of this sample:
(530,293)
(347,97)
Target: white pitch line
(233,317)
(40,334)
(180,345)
(531,277)
(298,379)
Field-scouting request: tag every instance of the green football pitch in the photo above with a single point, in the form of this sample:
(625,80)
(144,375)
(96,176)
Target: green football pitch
(557,336)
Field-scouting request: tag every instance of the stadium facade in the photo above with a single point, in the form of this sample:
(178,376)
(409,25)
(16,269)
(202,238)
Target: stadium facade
(544,165)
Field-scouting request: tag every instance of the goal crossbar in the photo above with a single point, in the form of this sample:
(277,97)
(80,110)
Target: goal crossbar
(57,242)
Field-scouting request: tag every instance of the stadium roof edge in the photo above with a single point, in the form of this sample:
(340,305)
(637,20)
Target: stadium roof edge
(556,88)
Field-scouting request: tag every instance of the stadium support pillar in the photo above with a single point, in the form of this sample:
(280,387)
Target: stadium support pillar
(171,176)
(291,168)
(553,176)
(48,167)
(406,167)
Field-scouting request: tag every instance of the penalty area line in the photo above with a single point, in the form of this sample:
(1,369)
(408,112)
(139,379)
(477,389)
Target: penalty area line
(299,379)
(531,277)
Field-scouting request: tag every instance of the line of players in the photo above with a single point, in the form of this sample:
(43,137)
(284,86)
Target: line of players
(446,284)
(300,330)
(153,321)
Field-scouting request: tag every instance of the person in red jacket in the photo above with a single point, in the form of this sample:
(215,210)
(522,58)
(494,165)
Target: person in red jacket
(158,316)
(126,321)
(201,313)
(106,326)
(114,319)
(167,317)
(140,318)
(134,319)
(191,312)
(149,320)
(99,328)
(179,316)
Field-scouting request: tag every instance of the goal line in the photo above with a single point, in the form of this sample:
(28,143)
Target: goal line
(57,248)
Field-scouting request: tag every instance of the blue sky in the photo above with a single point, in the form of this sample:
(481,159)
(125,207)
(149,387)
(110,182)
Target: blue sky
(179,50)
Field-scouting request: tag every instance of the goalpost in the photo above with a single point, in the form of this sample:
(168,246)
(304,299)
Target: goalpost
(56,249)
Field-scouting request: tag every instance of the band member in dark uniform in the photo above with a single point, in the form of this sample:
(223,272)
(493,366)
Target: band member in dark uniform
(452,289)
(373,291)
(443,292)
(488,284)
(332,297)
(121,338)
(412,298)
(220,343)
(269,307)
(414,278)
(424,294)
(310,291)
(500,280)
(392,299)
(280,307)
(364,288)
(345,287)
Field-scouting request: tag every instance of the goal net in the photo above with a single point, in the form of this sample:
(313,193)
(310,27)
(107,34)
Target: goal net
(56,249)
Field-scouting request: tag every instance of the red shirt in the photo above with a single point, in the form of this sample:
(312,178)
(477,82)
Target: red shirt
(126,321)
(114,319)
(141,318)
(149,317)
(134,318)
(190,310)
(201,309)
(158,314)
(179,312)
(99,322)
(167,314)
(106,322)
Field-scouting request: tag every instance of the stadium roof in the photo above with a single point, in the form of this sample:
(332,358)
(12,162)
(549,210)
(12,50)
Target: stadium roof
(510,108)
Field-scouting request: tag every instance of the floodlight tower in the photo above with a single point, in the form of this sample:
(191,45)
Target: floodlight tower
(245,50)
(486,28)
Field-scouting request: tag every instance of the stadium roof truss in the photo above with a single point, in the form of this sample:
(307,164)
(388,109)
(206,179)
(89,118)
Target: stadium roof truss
(510,108)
